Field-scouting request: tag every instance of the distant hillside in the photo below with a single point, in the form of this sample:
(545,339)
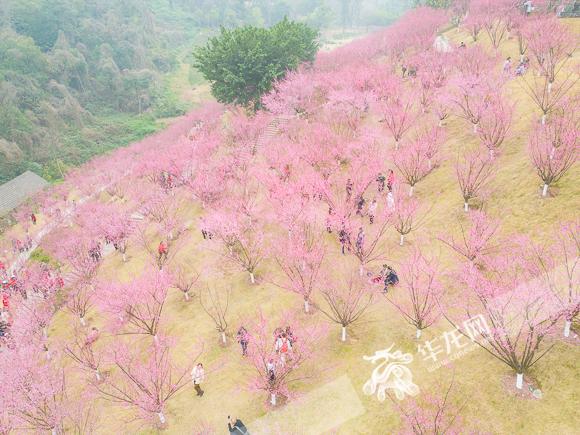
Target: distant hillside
(78,78)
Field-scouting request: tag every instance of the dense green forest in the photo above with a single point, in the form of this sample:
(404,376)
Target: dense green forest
(80,77)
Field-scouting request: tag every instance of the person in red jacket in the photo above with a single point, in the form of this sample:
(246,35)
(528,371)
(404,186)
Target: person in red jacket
(33,218)
(390,180)
(162,250)
(5,301)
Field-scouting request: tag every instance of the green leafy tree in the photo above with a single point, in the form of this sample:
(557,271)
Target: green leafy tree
(242,64)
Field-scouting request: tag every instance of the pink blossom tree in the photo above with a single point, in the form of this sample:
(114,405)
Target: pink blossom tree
(568,250)
(550,44)
(548,96)
(347,300)
(273,374)
(419,303)
(79,301)
(34,391)
(215,302)
(136,307)
(411,162)
(507,311)
(434,413)
(473,243)
(241,237)
(496,21)
(557,265)
(81,351)
(473,24)
(300,259)
(398,112)
(474,172)
(185,280)
(495,124)
(553,150)
(145,384)
(405,218)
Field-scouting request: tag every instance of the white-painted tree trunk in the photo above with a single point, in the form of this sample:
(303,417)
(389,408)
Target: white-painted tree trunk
(53,431)
(124,257)
(519,381)
(224,338)
(475,128)
(45,332)
(418,334)
(361,270)
(273,399)
(549,87)
(521,57)
(429,164)
(83,322)
(252,278)
(491,153)
(567,326)
(440,123)
(156,339)
(411,190)
(97,375)
(186,294)
(545,190)
(343,335)
(544,119)
(303,265)
(402,240)
(465,206)
(161,417)
(306,306)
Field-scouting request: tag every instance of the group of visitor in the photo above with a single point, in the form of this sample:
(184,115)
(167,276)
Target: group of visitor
(20,246)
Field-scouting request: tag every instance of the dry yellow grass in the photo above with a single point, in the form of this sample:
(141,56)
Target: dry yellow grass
(515,199)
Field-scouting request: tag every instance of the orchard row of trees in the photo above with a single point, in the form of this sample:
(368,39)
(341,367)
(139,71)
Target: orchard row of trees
(281,191)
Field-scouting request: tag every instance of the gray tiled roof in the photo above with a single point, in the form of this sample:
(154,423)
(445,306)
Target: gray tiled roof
(19,189)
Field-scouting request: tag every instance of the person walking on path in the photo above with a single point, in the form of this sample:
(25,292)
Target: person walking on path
(197,376)
(33,218)
(243,339)
(236,427)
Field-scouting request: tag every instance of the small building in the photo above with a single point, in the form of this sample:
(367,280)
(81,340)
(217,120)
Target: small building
(18,190)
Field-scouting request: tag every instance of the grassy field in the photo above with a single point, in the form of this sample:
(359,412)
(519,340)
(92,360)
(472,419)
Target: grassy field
(479,378)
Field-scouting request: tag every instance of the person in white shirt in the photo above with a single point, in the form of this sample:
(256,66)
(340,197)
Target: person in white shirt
(197,376)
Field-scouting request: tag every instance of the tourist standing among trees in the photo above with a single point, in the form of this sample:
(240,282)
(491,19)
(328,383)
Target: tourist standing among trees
(390,180)
(162,250)
(381,182)
(243,339)
(198,376)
